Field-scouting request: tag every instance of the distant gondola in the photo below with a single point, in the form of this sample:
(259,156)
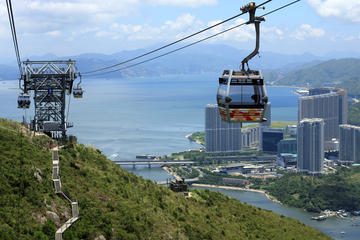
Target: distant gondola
(78,92)
(241,95)
(24,100)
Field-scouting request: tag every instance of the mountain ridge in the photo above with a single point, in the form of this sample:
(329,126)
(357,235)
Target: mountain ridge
(197,59)
(343,73)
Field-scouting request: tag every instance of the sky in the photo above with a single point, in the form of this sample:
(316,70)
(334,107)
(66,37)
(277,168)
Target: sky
(72,27)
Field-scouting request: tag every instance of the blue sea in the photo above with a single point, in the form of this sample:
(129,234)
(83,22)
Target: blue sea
(152,115)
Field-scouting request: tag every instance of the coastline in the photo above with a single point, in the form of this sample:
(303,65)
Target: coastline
(283,86)
(268,196)
(166,169)
(238,189)
(191,139)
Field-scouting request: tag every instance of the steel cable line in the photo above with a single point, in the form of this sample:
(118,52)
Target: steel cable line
(13,33)
(170,44)
(191,44)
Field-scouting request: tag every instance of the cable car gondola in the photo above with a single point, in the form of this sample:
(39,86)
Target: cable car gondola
(241,94)
(78,92)
(24,100)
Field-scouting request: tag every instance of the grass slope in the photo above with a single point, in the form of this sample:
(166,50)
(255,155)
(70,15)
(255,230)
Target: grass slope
(115,203)
(274,124)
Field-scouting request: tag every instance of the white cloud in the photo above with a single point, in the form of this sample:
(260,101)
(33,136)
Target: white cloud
(40,16)
(170,30)
(85,30)
(181,22)
(244,33)
(184,3)
(307,31)
(348,10)
(53,33)
(103,34)
(43,16)
(186,25)
(272,33)
(349,38)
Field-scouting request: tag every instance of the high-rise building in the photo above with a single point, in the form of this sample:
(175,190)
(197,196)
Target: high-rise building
(349,143)
(310,145)
(250,137)
(287,146)
(269,139)
(220,136)
(267,115)
(330,104)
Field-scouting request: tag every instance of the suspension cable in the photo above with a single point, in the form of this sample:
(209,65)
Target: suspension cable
(173,43)
(191,44)
(13,33)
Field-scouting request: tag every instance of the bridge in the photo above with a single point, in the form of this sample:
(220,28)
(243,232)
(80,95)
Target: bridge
(151,162)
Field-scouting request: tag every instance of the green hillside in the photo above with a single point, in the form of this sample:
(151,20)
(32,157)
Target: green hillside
(344,73)
(354,114)
(115,203)
(315,193)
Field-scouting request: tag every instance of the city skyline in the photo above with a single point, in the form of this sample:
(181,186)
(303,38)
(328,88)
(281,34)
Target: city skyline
(329,104)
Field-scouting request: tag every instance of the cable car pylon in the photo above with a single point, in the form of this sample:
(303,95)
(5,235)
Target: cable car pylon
(50,82)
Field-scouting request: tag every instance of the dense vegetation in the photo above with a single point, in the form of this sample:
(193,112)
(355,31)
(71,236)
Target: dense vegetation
(315,193)
(115,203)
(217,178)
(198,136)
(274,124)
(186,172)
(354,114)
(344,73)
(202,158)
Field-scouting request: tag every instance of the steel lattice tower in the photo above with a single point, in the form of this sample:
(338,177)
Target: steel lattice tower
(51,81)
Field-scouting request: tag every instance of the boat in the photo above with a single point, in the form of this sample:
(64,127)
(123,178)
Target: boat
(320,218)
(345,214)
(356,213)
(302,92)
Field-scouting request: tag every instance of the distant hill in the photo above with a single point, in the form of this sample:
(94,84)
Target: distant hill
(280,69)
(344,73)
(115,203)
(196,59)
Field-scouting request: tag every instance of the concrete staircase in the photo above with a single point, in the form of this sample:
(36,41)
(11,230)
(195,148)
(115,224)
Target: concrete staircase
(58,190)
